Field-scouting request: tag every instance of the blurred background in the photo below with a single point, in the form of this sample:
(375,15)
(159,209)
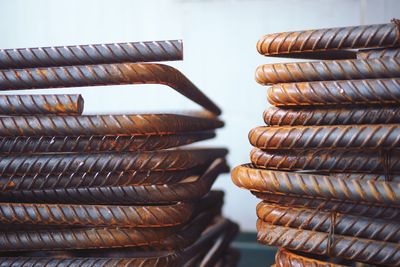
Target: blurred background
(219,57)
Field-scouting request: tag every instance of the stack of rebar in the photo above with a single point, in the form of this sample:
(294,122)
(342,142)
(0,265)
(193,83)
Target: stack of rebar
(327,165)
(106,190)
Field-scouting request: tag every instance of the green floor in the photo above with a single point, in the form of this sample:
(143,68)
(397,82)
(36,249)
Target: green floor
(252,253)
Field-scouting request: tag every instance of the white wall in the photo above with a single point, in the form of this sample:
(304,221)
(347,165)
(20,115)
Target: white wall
(220,55)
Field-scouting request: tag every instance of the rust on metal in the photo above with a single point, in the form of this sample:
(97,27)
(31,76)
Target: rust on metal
(91,54)
(280,182)
(331,116)
(136,124)
(346,247)
(320,221)
(187,190)
(378,53)
(366,36)
(384,136)
(328,70)
(285,258)
(98,143)
(41,104)
(107,74)
(344,92)
(340,160)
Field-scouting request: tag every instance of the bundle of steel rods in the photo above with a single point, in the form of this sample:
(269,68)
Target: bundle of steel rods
(106,190)
(327,166)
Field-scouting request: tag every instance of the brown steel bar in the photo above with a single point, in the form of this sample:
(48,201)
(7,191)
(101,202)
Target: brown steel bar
(107,162)
(316,185)
(346,247)
(285,258)
(91,54)
(107,74)
(41,104)
(137,124)
(373,210)
(367,161)
(366,36)
(332,116)
(328,70)
(97,143)
(378,53)
(344,92)
(379,136)
(320,221)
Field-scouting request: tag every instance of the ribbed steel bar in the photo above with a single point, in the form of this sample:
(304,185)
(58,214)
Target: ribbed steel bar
(320,221)
(285,258)
(388,67)
(138,124)
(91,54)
(373,210)
(332,116)
(367,161)
(378,53)
(98,143)
(107,74)
(344,92)
(366,36)
(41,104)
(24,164)
(280,182)
(346,247)
(97,179)
(96,238)
(187,190)
(379,136)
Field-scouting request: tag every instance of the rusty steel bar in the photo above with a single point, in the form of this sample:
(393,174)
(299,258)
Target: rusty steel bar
(345,92)
(285,258)
(346,247)
(378,53)
(107,162)
(107,74)
(41,104)
(332,116)
(373,210)
(320,221)
(97,238)
(280,182)
(380,136)
(98,143)
(91,54)
(97,179)
(188,190)
(328,70)
(366,36)
(138,124)
(105,215)
(363,161)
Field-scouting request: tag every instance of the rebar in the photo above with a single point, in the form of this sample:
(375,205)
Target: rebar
(41,104)
(300,184)
(320,221)
(346,247)
(380,136)
(373,210)
(328,70)
(331,116)
(345,92)
(285,258)
(187,190)
(357,161)
(366,36)
(378,53)
(91,54)
(139,124)
(98,143)
(107,74)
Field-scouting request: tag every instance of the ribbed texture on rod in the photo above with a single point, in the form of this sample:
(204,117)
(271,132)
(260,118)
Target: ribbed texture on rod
(378,53)
(285,258)
(91,54)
